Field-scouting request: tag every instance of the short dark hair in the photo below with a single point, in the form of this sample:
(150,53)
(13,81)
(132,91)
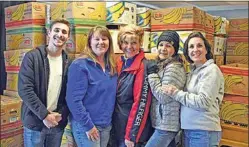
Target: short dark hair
(209,54)
(60,21)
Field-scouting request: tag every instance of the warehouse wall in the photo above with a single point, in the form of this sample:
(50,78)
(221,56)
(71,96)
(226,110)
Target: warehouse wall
(231,13)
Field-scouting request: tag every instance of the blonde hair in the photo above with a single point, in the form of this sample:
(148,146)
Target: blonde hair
(109,55)
(132,30)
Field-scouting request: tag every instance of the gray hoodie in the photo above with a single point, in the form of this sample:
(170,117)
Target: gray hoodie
(200,104)
(165,111)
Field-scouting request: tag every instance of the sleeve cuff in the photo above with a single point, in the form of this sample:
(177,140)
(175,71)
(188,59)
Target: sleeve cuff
(89,125)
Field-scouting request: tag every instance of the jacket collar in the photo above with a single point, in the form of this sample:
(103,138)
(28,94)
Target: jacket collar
(44,52)
(193,68)
(134,65)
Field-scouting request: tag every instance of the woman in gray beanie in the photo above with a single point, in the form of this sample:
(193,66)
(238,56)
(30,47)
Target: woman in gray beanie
(168,69)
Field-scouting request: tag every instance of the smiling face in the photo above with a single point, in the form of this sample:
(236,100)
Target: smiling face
(130,45)
(99,44)
(197,50)
(58,36)
(165,49)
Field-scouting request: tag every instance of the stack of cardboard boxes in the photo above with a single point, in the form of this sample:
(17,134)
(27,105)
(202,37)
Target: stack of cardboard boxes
(234,108)
(25,29)
(221,25)
(237,41)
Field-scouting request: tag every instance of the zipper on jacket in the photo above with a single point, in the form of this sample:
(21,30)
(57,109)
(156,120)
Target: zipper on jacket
(160,111)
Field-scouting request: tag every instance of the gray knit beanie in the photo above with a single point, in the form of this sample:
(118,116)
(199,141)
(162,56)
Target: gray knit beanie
(170,36)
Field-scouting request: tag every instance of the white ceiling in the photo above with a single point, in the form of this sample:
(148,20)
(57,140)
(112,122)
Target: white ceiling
(207,5)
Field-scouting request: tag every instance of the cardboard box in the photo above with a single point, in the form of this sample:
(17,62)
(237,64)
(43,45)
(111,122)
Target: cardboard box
(86,13)
(153,41)
(234,136)
(25,38)
(238,27)
(209,23)
(219,60)
(78,39)
(78,13)
(183,37)
(10,109)
(219,45)
(237,59)
(32,13)
(12,82)
(13,94)
(221,25)
(210,39)
(11,127)
(236,79)
(13,59)
(237,46)
(146,42)
(182,18)
(12,139)
(121,13)
(143,17)
(114,34)
(234,110)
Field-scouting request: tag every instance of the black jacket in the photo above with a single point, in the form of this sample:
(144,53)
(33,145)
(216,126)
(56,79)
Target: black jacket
(33,85)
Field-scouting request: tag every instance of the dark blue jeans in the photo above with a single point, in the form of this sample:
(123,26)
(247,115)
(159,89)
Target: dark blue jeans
(45,138)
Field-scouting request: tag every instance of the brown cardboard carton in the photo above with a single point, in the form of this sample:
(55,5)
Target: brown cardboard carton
(210,39)
(219,60)
(10,109)
(209,23)
(234,136)
(121,13)
(182,18)
(234,110)
(78,13)
(237,59)
(12,82)
(13,94)
(237,46)
(236,79)
(144,17)
(32,13)
(221,25)
(219,45)
(25,38)
(13,59)
(12,139)
(78,39)
(238,27)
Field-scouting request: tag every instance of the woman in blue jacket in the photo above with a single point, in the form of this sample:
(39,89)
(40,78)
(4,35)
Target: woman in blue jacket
(91,90)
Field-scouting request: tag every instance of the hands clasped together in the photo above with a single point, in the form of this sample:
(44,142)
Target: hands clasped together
(52,119)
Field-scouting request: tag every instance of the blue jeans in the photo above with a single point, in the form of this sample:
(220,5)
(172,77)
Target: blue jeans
(44,138)
(79,133)
(161,138)
(201,138)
